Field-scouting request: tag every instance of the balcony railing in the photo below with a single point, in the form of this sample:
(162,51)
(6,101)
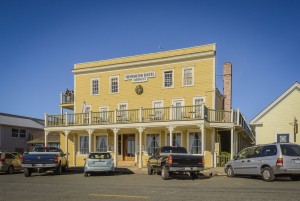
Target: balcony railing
(240,120)
(66,98)
(141,115)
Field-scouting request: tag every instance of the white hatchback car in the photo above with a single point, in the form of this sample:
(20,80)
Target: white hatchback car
(267,161)
(98,162)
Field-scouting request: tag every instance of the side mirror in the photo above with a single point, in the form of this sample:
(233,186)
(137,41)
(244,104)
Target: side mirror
(235,157)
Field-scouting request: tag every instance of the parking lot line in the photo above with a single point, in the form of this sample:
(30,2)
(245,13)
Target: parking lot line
(122,196)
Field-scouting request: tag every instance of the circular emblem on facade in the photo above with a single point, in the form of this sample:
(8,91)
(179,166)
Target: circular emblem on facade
(139,89)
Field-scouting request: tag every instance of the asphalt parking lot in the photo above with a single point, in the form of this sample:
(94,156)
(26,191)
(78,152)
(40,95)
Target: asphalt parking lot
(128,186)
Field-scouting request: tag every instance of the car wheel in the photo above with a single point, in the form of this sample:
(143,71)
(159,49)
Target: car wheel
(10,169)
(58,170)
(164,173)
(150,170)
(267,174)
(229,171)
(27,172)
(295,177)
(194,175)
(85,174)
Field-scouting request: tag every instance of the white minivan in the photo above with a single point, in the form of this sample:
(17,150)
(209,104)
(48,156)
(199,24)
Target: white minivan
(267,161)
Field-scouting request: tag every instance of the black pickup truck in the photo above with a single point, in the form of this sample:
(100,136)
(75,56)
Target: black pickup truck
(175,160)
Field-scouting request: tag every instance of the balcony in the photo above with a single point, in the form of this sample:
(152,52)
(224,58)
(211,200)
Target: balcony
(67,100)
(141,115)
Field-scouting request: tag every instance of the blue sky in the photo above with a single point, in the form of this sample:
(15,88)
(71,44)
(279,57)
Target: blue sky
(41,40)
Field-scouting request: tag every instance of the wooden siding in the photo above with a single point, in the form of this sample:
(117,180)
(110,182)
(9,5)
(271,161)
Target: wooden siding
(279,119)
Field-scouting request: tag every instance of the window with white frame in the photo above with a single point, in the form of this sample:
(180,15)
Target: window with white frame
(84,144)
(176,139)
(153,142)
(114,85)
(95,86)
(195,142)
(168,79)
(188,76)
(101,143)
(18,133)
(123,112)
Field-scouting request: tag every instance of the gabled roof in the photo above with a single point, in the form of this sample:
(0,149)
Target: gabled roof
(256,119)
(21,121)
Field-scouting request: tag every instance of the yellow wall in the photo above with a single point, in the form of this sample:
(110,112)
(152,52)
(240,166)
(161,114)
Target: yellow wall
(278,120)
(153,88)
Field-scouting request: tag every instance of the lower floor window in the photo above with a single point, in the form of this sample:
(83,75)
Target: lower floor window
(101,143)
(195,143)
(153,142)
(176,139)
(84,145)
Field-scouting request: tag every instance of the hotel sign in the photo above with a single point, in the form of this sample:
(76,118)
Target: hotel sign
(139,77)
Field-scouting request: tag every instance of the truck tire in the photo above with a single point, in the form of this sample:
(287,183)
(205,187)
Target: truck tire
(267,174)
(164,173)
(27,172)
(194,175)
(150,170)
(58,170)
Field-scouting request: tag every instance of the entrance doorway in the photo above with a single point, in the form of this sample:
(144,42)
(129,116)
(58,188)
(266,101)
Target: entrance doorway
(129,147)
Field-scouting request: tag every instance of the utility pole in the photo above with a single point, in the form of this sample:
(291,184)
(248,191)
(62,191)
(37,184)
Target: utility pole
(295,128)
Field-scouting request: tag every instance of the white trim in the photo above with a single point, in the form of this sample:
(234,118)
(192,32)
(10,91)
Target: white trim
(199,97)
(188,140)
(78,144)
(75,77)
(214,84)
(123,103)
(145,140)
(158,101)
(110,78)
(177,100)
(91,86)
(173,78)
(95,141)
(193,76)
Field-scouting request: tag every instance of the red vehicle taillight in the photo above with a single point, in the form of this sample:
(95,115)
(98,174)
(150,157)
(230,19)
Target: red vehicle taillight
(170,160)
(55,159)
(279,162)
(2,160)
(22,159)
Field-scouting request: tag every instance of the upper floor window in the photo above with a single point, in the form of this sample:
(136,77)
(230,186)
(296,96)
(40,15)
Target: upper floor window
(114,84)
(188,76)
(95,86)
(19,133)
(168,79)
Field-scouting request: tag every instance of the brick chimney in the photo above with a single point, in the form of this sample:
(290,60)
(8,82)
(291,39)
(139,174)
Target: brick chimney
(227,85)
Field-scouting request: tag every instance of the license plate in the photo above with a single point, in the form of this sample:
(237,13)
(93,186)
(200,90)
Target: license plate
(39,165)
(187,168)
(297,161)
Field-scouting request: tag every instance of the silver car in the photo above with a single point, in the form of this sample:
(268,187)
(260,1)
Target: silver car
(267,161)
(98,162)
(9,162)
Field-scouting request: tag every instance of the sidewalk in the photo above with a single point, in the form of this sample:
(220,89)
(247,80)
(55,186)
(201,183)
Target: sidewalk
(218,171)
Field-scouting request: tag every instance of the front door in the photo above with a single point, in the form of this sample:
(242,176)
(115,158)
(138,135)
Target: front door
(129,147)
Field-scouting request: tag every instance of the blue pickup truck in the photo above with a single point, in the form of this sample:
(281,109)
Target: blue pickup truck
(43,159)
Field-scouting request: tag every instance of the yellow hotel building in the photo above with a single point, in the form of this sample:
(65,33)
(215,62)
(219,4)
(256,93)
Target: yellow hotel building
(130,106)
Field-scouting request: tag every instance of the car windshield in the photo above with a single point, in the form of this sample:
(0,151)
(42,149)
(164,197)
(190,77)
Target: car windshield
(100,156)
(290,149)
(179,150)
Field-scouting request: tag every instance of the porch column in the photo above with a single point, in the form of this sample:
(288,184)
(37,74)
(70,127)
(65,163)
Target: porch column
(74,150)
(140,129)
(171,129)
(203,139)
(115,130)
(231,144)
(90,131)
(46,136)
(67,143)
(213,134)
